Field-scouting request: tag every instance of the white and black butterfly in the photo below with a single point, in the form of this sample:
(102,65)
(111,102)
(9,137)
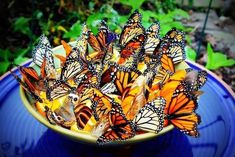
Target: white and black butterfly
(150,117)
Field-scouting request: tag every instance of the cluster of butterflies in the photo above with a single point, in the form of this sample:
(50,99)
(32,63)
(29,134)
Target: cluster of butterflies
(116,86)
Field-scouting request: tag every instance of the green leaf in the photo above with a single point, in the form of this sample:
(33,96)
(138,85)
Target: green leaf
(22,51)
(21,24)
(190,53)
(135,4)
(5,54)
(74,31)
(216,60)
(178,14)
(20,60)
(4,66)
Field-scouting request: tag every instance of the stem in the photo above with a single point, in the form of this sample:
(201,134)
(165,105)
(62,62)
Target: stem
(203,29)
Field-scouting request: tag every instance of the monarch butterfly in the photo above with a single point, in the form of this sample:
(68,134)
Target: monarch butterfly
(40,50)
(81,46)
(163,76)
(101,104)
(91,72)
(120,128)
(134,97)
(102,43)
(131,39)
(174,35)
(151,118)
(30,76)
(108,75)
(174,50)
(83,114)
(67,49)
(27,88)
(164,84)
(132,29)
(82,109)
(72,65)
(82,43)
(124,80)
(57,89)
(152,39)
(180,111)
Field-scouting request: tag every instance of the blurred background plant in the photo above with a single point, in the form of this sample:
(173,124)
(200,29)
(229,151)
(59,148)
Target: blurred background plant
(22,22)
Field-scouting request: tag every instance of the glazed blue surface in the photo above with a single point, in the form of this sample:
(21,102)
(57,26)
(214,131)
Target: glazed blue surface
(22,135)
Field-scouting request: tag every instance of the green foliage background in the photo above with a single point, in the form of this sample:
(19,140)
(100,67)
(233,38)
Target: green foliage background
(61,19)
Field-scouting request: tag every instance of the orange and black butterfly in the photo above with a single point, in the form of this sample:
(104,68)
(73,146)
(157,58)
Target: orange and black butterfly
(27,88)
(101,104)
(102,43)
(108,75)
(174,50)
(83,114)
(124,80)
(174,36)
(81,46)
(30,76)
(164,76)
(82,111)
(131,39)
(120,128)
(180,111)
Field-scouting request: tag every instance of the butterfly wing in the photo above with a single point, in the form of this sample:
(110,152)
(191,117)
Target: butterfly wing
(27,88)
(40,50)
(174,36)
(131,40)
(82,110)
(132,29)
(151,118)
(196,79)
(175,51)
(30,77)
(72,66)
(101,104)
(124,80)
(81,43)
(67,47)
(58,89)
(120,128)
(152,39)
(181,113)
